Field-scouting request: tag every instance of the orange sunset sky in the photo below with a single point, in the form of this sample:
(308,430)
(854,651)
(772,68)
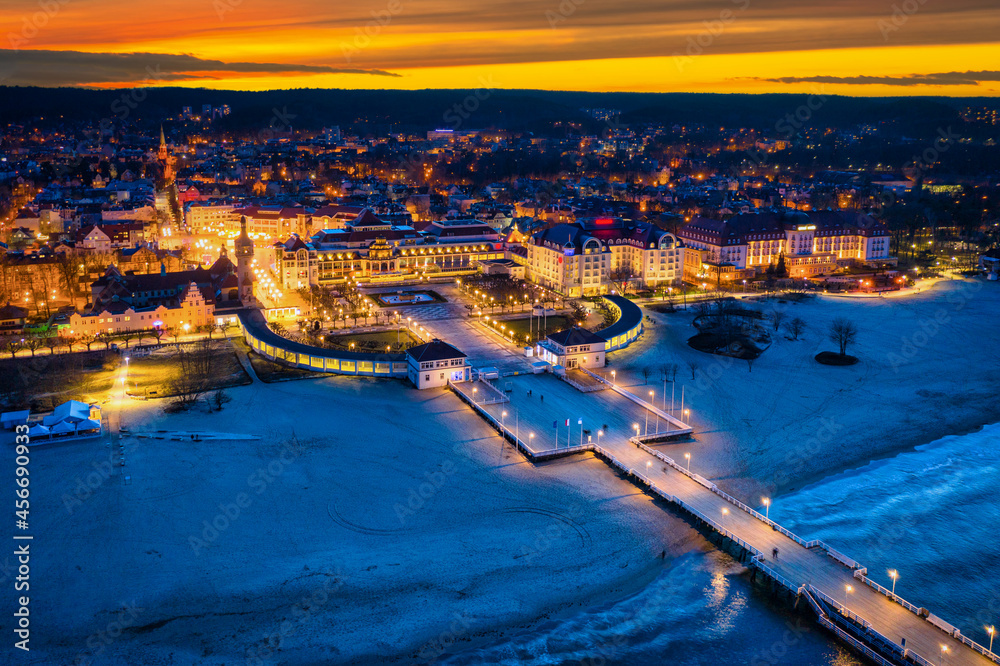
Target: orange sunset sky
(850,47)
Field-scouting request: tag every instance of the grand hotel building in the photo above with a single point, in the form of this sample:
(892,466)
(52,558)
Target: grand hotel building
(813,243)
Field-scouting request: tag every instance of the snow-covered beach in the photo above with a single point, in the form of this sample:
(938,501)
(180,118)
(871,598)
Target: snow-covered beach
(375,523)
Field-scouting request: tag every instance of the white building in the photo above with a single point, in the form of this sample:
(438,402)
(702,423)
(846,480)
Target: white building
(814,243)
(434,364)
(578,259)
(573,348)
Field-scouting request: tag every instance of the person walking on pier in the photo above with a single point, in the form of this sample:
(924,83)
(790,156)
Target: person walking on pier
(774,553)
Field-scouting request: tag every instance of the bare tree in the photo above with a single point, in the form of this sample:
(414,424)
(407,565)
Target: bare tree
(844,332)
(621,277)
(195,370)
(32,342)
(694,366)
(777,317)
(219,399)
(52,342)
(645,374)
(11,345)
(796,326)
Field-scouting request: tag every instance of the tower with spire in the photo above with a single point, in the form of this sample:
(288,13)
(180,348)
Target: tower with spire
(166,158)
(244,263)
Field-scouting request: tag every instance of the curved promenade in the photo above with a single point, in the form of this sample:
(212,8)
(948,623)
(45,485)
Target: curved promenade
(628,327)
(269,344)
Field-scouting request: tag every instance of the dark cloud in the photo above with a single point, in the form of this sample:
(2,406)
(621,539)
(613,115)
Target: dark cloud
(76,68)
(936,79)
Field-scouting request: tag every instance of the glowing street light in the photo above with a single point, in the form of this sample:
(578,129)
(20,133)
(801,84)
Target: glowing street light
(767,508)
(635,426)
(893,574)
(474,392)
(687,456)
(991,630)
(847,590)
(502,415)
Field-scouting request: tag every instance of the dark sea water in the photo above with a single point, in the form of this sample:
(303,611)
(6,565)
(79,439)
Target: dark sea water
(931,514)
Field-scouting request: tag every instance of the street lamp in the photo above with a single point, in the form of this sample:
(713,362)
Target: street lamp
(502,415)
(687,457)
(767,508)
(657,428)
(847,590)
(944,651)
(893,574)
(613,373)
(991,631)
(474,392)
(635,426)
(599,433)
(531,437)
(725,511)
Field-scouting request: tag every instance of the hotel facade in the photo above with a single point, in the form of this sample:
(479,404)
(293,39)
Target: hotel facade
(815,243)
(578,259)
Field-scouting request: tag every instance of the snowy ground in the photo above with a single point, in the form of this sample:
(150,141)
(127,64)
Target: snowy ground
(369,522)
(928,363)
(372,521)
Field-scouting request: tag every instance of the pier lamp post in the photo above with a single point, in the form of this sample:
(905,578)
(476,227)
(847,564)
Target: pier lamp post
(991,631)
(893,574)
(599,433)
(531,439)
(635,426)
(944,652)
(687,456)
(474,392)
(657,428)
(502,415)
(725,511)
(767,507)
(613,373)
(649,463)
(847,591)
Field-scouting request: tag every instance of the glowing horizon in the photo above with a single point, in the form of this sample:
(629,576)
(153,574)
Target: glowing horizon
(724,46)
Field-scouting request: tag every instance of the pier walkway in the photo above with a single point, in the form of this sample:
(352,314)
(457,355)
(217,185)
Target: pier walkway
(860,612)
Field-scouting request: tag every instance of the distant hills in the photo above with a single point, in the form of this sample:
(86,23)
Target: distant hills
(381,111)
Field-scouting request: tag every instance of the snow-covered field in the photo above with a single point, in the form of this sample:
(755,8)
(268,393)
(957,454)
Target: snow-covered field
(928,368)
(373,523)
